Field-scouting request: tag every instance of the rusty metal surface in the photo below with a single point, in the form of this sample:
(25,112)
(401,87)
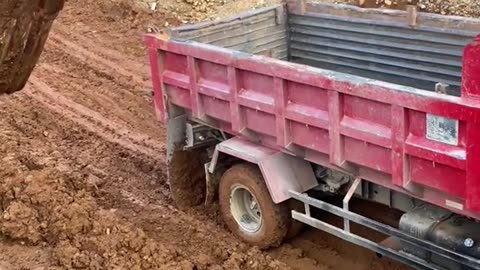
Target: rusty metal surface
(261,32)
(381,45)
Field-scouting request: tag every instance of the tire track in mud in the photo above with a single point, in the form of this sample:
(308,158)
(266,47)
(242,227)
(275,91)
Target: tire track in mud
(81,53)
(93,121)
(105,91)
(132,64)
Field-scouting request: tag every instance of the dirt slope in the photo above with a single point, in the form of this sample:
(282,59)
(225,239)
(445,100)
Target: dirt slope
(82,164)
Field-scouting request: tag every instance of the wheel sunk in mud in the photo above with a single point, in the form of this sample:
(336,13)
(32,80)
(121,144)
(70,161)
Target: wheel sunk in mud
(248,209)
(24,28)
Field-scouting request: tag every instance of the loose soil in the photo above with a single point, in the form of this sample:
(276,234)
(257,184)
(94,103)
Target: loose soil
(466,8)
(82,163)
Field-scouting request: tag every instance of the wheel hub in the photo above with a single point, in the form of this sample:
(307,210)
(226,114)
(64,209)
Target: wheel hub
(245,209)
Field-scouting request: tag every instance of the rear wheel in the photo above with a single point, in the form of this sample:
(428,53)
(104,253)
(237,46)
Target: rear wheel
(248,209)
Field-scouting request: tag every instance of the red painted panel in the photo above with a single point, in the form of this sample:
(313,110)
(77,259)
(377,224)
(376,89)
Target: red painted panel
(367,154)
(177,79)
(365,109)
(399,133)
(213,72)
(310,137)
(259,121)
(442,153)
(256,101)
(307,115)
(255,82)
(157,68)
(417,125)
(216,108)
(438,176)
(214,89)
(176,63)
(471,69)
(178,96)
(308,96)
(366,131)
(473,167)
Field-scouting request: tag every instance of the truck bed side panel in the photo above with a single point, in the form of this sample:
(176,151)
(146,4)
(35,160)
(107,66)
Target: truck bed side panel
(385,133)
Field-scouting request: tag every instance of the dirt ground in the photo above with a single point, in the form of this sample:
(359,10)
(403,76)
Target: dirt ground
(83,182)
(466,8)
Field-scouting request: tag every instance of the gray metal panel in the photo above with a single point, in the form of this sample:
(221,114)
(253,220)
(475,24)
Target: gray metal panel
(262,32)
(379,49)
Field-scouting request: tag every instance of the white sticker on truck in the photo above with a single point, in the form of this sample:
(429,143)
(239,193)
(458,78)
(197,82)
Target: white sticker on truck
(453,204)
(441,129)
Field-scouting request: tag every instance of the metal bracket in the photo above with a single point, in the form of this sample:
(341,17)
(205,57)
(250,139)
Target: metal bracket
(403,257)
(281,16)
(412,14)
(442,88)
(197,135)
(346,201)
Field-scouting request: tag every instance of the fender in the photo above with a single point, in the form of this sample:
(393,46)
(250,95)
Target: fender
(282,172)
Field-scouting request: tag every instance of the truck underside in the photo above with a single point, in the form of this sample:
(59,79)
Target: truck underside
(401,132)
(24,28)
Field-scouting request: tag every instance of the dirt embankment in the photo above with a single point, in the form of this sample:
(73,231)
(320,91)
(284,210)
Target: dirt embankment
(38,208)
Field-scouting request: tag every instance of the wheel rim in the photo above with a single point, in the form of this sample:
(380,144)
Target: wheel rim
(245,209)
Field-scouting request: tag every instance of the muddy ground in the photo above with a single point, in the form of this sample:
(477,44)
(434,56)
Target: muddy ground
(82,168)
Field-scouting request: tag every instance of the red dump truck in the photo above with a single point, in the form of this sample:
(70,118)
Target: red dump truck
(294,104)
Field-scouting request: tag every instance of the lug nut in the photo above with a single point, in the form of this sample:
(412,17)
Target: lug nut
(469,242)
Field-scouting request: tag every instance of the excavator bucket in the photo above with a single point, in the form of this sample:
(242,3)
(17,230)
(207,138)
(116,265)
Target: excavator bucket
(24,28)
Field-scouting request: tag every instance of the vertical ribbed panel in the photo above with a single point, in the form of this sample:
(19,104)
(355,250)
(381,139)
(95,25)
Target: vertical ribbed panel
(260,32)
(382,49)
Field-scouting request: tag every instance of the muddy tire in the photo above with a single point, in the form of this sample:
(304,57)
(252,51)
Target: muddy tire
(24,27)
(248,209)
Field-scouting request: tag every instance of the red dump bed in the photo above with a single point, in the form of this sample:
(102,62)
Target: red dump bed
(421,143)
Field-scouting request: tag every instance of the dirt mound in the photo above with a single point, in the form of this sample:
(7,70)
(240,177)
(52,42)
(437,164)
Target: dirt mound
(191,11)
(49,208)
(38,208)
(467,8)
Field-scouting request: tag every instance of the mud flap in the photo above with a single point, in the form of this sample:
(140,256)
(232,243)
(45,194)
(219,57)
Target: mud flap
(282,172)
